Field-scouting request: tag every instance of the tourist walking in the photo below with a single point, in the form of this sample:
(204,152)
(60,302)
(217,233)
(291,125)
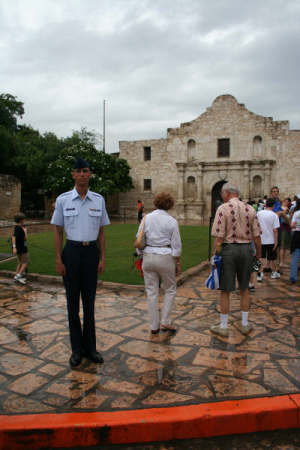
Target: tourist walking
(277,208)
(234,228)
(269,224)
(82,215)
(140,209)
(295,244)
(161,261)
(19,245)
(260,205)
(285,230)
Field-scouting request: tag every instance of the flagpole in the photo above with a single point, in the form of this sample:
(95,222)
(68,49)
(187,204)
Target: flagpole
(104,126)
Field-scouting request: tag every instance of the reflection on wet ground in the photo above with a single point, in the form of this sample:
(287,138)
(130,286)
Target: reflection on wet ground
(275,440)
(140,371)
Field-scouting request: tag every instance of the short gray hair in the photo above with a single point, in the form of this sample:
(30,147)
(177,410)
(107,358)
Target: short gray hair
(231,188)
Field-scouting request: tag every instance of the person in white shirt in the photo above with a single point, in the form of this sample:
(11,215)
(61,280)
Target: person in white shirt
(161,260)
(269,223)
(295,245)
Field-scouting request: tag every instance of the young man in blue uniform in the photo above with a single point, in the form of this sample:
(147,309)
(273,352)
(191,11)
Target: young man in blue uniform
(82,215)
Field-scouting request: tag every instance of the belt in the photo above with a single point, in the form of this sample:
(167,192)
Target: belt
(81,243)
(236,243)
(158,246)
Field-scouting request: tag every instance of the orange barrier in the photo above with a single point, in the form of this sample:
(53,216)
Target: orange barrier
(160,424)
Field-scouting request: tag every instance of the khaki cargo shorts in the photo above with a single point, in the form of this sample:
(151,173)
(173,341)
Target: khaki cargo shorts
(237,261)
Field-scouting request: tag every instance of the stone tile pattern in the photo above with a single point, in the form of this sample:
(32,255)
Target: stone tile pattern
(143,371)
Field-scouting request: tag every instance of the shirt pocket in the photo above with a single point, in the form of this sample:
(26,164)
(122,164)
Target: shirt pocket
(70,215)
(95,215)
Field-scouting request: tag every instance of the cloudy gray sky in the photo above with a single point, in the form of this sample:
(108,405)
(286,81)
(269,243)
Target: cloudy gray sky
(157,62)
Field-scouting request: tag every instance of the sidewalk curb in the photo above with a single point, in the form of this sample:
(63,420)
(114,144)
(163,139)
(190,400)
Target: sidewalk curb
(57,280)
(39,431)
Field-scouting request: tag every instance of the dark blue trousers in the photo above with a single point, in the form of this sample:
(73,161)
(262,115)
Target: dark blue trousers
(81,264)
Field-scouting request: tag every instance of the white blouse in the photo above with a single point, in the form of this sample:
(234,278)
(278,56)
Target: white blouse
(161,230)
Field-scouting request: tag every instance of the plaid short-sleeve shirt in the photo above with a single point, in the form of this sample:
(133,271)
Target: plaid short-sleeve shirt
(236,222)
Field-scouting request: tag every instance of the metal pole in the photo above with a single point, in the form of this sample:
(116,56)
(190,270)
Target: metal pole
(104,126)
(209,236)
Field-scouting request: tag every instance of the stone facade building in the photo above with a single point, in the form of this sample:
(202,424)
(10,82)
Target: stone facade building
(225,143)
(10,196)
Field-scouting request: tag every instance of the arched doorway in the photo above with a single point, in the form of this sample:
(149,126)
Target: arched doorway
(257,186)
(216,199)
(257,147)
(191,146)
(191,189)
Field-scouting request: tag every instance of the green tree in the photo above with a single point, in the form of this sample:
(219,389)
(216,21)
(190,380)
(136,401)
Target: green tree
(10,110)
(7,150)
(110,174)
(33,152)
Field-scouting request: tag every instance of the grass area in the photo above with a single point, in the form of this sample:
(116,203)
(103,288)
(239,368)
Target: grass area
(119,249)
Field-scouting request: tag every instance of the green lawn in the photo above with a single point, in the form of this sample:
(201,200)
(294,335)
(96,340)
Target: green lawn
(119,249)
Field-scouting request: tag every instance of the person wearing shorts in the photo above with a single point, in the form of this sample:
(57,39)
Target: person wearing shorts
(251,286)
(269,223)
(277,208)
(19,244)
(285,230)
(295,244)
(234,228)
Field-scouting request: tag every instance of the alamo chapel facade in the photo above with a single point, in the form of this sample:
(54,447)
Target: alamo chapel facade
(225,143)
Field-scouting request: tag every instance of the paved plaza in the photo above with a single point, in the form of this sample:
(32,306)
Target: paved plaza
(275,440)
(140,371)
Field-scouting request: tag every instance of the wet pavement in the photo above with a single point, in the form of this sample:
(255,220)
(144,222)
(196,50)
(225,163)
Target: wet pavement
(140,371)
(275,440)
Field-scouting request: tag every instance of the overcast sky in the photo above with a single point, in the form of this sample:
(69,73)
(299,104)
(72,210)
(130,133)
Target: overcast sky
(157,62)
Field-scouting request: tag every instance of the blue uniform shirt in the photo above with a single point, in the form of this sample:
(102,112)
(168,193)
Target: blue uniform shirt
(277,206)
(81,219)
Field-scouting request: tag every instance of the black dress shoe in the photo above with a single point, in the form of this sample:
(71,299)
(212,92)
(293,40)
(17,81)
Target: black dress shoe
(75,359)
(155,331)
(95,357)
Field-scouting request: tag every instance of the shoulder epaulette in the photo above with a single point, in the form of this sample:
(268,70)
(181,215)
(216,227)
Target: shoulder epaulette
(64,194)
(96,194)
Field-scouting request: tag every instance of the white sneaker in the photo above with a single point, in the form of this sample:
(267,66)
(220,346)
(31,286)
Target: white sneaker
(260,276)
(20,279)
(275,275)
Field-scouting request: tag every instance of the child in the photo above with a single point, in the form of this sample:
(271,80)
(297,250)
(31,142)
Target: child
(19,243)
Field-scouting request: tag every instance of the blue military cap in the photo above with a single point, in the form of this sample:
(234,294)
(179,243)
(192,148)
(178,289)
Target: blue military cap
(80,163)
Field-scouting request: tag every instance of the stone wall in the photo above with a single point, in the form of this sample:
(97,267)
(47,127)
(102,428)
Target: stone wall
(10,196)
(288,170)
(262,152)
(155,169)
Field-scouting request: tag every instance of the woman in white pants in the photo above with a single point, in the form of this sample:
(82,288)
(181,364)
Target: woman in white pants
(161,260)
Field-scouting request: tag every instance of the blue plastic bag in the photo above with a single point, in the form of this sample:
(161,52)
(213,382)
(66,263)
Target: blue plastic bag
(213,281)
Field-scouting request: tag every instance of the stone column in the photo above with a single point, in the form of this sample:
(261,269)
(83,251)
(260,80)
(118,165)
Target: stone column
(251,185)
(180,172)
(247,181)
(200,183)
(267,178)
(180,204)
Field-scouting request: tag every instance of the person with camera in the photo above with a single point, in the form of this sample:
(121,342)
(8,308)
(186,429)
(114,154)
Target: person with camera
(234,228)
(269,223)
